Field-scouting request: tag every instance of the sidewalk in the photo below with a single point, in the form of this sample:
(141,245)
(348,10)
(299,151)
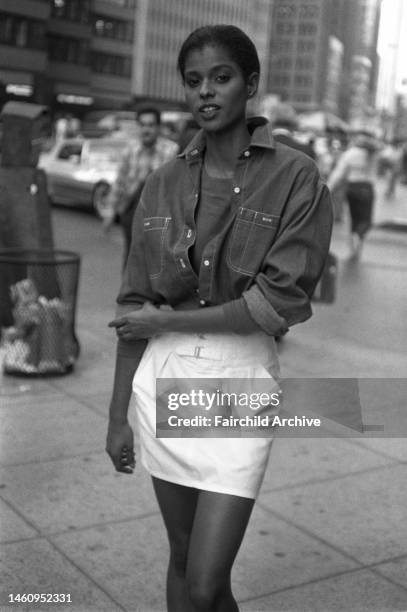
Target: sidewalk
(329,529)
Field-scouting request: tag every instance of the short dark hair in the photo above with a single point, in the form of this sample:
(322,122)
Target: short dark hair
(239,46)
(149,110)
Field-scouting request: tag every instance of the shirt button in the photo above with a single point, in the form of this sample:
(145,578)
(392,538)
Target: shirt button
(246,153)
(207,262)
(202,302)
(236,189)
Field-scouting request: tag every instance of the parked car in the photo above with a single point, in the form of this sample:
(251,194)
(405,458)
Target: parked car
(103,123)
(80,171)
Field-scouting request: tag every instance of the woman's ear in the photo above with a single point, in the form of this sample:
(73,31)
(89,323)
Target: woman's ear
(252,84)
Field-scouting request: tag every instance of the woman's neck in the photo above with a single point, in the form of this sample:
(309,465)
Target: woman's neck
(223,149)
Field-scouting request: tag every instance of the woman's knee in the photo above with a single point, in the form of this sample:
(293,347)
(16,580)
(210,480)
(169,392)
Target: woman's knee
(204,592)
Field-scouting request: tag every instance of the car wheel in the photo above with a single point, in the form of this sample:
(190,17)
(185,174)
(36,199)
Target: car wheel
(100,201)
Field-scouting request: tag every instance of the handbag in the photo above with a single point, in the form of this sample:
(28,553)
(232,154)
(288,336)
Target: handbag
(325,291)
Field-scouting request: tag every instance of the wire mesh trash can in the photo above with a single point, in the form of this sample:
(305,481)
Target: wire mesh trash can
(38,295)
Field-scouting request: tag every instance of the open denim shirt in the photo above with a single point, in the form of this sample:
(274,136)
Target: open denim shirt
(271,251)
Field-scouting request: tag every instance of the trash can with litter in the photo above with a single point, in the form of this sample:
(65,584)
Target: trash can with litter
(38,290)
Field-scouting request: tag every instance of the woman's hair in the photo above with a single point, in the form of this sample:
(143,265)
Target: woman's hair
(232,39)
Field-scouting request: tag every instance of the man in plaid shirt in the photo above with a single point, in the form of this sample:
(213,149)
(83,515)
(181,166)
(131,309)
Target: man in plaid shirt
(138,161)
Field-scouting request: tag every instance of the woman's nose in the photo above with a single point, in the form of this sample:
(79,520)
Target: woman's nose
(206,89)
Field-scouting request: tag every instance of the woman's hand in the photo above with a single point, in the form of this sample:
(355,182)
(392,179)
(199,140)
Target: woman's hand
(120,447)
(146,322)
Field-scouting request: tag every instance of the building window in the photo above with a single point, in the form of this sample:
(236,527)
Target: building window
(302,80)
(304,63)
(71,50)
(284,62)
(283,27)
(286,11)
(311,11)
(21,32)
(305,45)
(117,29)
(106,63)
(280,80)
(72,10)
(307,29)
(281,45)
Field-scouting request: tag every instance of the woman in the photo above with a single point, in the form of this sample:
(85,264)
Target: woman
(356,170)
(228,243)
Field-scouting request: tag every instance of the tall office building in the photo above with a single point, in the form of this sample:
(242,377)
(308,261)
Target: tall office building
(299,57)
(162,26)
(392,81)
(364,63)
(23,46)
(67,53)
(71,54)
(323,54)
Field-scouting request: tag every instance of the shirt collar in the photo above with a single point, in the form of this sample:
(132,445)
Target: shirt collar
(261,136)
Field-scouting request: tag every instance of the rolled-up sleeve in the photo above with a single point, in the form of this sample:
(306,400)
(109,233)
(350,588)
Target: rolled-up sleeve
(135,288)
(281,293)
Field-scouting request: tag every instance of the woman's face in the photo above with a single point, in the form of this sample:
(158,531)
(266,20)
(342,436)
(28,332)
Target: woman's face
(216,90)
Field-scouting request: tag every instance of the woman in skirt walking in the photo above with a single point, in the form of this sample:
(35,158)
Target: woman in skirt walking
(356,171)
(228,243)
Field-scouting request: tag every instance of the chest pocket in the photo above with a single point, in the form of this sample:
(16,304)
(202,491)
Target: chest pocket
(252,235)
(154,236)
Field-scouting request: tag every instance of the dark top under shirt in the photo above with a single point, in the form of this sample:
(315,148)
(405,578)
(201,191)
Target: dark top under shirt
(212,213)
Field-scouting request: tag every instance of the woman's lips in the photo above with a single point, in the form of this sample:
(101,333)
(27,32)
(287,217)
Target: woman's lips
(208,111)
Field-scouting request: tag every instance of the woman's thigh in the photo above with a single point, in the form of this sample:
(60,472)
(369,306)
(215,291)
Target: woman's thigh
(218,529)
(178,505)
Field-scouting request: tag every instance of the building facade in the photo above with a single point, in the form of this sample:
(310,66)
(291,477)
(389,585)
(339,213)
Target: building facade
(299,56)
(69,54)
(23,47)
(162,26)
(323,54)
(73,54)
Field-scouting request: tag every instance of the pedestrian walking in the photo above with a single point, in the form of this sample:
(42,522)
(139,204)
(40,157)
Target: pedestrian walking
(394,154)
(229,241)
(356,171)
(142,156)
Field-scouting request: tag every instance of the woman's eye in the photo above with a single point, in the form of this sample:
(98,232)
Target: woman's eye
(222,78)
(192,82)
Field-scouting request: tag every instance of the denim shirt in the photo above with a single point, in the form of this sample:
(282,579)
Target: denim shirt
(271,250)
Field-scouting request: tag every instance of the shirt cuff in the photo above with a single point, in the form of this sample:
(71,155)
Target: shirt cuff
(238,317)
(263,313)
(123,309)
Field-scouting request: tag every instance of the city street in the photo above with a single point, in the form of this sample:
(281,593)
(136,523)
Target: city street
(328,531)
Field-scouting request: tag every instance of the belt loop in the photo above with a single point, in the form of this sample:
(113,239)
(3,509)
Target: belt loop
(197,352)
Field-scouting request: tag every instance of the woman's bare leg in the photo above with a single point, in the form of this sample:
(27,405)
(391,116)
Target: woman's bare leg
(177,504)
(218,529)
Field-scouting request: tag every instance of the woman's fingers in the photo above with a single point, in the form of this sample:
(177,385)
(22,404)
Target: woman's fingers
(127,461)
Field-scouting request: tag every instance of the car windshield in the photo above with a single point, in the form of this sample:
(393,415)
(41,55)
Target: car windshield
(104,152)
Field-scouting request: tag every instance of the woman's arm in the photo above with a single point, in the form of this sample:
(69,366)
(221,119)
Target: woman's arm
(233,316)
(120,440)
(339,173)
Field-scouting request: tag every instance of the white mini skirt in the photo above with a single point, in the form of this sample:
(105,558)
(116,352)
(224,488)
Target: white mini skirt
(229,465)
